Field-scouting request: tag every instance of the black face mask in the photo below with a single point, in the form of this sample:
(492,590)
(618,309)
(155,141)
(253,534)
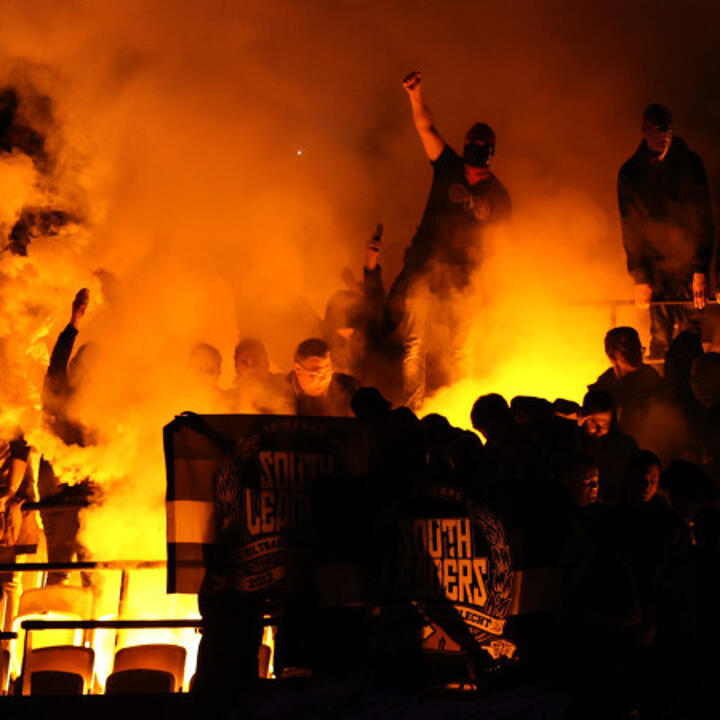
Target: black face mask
(478,155)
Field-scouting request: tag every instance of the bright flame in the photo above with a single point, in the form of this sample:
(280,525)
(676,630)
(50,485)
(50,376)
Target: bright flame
(268,639)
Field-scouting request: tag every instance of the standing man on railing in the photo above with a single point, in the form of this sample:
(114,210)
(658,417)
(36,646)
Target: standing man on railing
(667,228)
(465,200)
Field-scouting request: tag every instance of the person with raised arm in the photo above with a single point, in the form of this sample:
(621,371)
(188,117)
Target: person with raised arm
(465,200)
(61,501)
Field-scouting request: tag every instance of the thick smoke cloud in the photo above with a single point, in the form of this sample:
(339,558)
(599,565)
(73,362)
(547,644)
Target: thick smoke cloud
(175,137)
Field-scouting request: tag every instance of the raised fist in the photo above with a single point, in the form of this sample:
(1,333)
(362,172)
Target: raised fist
(412,83)
(373,248)
(79,305)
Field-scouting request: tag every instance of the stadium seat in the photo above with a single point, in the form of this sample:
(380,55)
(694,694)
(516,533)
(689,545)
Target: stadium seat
(52,664)
(4,670)
(62,602)
(165,658)
(66,599)
(139,682)
(55,682)
(264,661)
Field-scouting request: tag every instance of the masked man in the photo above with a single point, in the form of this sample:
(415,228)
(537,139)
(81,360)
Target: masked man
(465,199)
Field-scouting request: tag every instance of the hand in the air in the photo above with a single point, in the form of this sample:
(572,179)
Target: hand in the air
(643,295)
(413,83)
(699,288)
(79,306)
(372,256)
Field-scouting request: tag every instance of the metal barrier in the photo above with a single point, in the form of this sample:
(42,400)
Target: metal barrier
(613,305)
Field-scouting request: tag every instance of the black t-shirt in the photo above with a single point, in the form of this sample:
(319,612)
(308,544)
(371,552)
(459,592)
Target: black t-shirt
(455,216)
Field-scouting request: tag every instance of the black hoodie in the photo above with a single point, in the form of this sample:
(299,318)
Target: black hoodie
(665,213)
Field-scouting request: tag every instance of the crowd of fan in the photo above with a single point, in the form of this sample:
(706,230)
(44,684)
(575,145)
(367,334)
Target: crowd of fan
(616,497)
(618,494)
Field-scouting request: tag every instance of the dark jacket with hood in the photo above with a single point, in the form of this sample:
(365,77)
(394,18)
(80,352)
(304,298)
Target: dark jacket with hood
(665,213)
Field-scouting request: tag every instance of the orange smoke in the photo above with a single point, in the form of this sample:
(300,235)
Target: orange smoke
(535,316)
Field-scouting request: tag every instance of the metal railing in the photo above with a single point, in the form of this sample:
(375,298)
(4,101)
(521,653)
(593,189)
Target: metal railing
(613,305)
(125,566)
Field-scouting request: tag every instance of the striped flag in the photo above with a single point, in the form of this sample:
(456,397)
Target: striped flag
(245,481)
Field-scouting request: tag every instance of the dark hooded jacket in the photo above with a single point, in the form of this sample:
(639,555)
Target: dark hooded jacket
(665,213)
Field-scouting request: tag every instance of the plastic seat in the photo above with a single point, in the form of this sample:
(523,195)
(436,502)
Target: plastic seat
(69,602)
(139,682)
(66,599)
(55,682)
(65,659)
(264,661)
(166,658)
(4,670)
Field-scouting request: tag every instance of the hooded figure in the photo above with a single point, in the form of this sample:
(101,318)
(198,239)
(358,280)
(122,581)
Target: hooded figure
(666,226)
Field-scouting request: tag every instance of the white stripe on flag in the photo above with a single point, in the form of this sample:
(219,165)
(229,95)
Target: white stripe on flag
(191,521)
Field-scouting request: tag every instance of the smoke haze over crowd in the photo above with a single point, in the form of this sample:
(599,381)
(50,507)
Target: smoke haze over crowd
(224,161)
